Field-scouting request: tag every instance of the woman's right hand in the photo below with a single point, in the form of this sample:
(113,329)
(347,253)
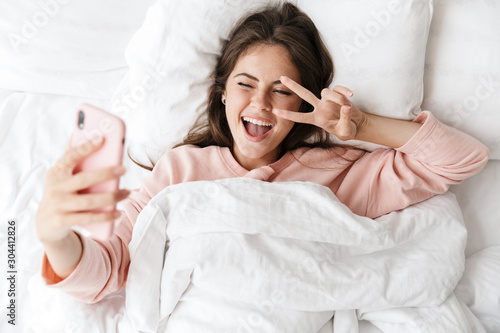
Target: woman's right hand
(62,206)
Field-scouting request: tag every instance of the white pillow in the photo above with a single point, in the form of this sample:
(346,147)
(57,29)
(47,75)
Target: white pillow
(172,55)
(462,76)
(66,47)
(378,49)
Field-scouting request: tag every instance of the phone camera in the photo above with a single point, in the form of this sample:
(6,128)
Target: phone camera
(81,118)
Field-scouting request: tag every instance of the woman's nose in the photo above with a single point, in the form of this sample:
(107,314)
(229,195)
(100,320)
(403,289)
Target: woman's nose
(261,101)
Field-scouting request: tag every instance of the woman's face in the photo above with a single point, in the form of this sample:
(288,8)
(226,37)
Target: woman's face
(253,89)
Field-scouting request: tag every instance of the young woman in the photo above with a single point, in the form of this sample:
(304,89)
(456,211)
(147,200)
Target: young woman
(269,118)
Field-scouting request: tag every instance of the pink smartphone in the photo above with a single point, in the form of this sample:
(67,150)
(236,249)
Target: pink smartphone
(90,123)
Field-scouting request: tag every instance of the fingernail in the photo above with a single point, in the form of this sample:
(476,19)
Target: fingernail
(97,139)
(350,93)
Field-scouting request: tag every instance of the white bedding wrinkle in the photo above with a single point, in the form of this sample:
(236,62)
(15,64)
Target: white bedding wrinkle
(244,255)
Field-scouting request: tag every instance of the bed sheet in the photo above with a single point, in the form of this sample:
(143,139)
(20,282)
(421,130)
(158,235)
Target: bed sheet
(36,122)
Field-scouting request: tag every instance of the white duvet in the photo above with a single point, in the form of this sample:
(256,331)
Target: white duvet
(240,255)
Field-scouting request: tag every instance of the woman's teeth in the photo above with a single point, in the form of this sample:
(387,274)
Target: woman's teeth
(257,122)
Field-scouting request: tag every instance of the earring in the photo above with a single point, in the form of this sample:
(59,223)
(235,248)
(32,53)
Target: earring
(224,101)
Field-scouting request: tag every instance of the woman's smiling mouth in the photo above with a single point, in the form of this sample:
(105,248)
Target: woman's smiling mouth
(256,129)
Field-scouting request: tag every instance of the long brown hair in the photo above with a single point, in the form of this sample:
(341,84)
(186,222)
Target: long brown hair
(284,25)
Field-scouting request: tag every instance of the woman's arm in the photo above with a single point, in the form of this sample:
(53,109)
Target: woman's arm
(64,254)
(389,132)
(338,116)
(102,266)
(428,156)
(434,158)
(63,207)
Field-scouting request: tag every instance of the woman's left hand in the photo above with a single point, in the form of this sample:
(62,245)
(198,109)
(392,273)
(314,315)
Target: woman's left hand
(333,112)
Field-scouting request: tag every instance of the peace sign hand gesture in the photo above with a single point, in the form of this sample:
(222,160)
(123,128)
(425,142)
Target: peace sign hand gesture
(333,112)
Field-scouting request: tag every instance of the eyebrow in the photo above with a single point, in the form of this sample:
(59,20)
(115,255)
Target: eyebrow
(254,78)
